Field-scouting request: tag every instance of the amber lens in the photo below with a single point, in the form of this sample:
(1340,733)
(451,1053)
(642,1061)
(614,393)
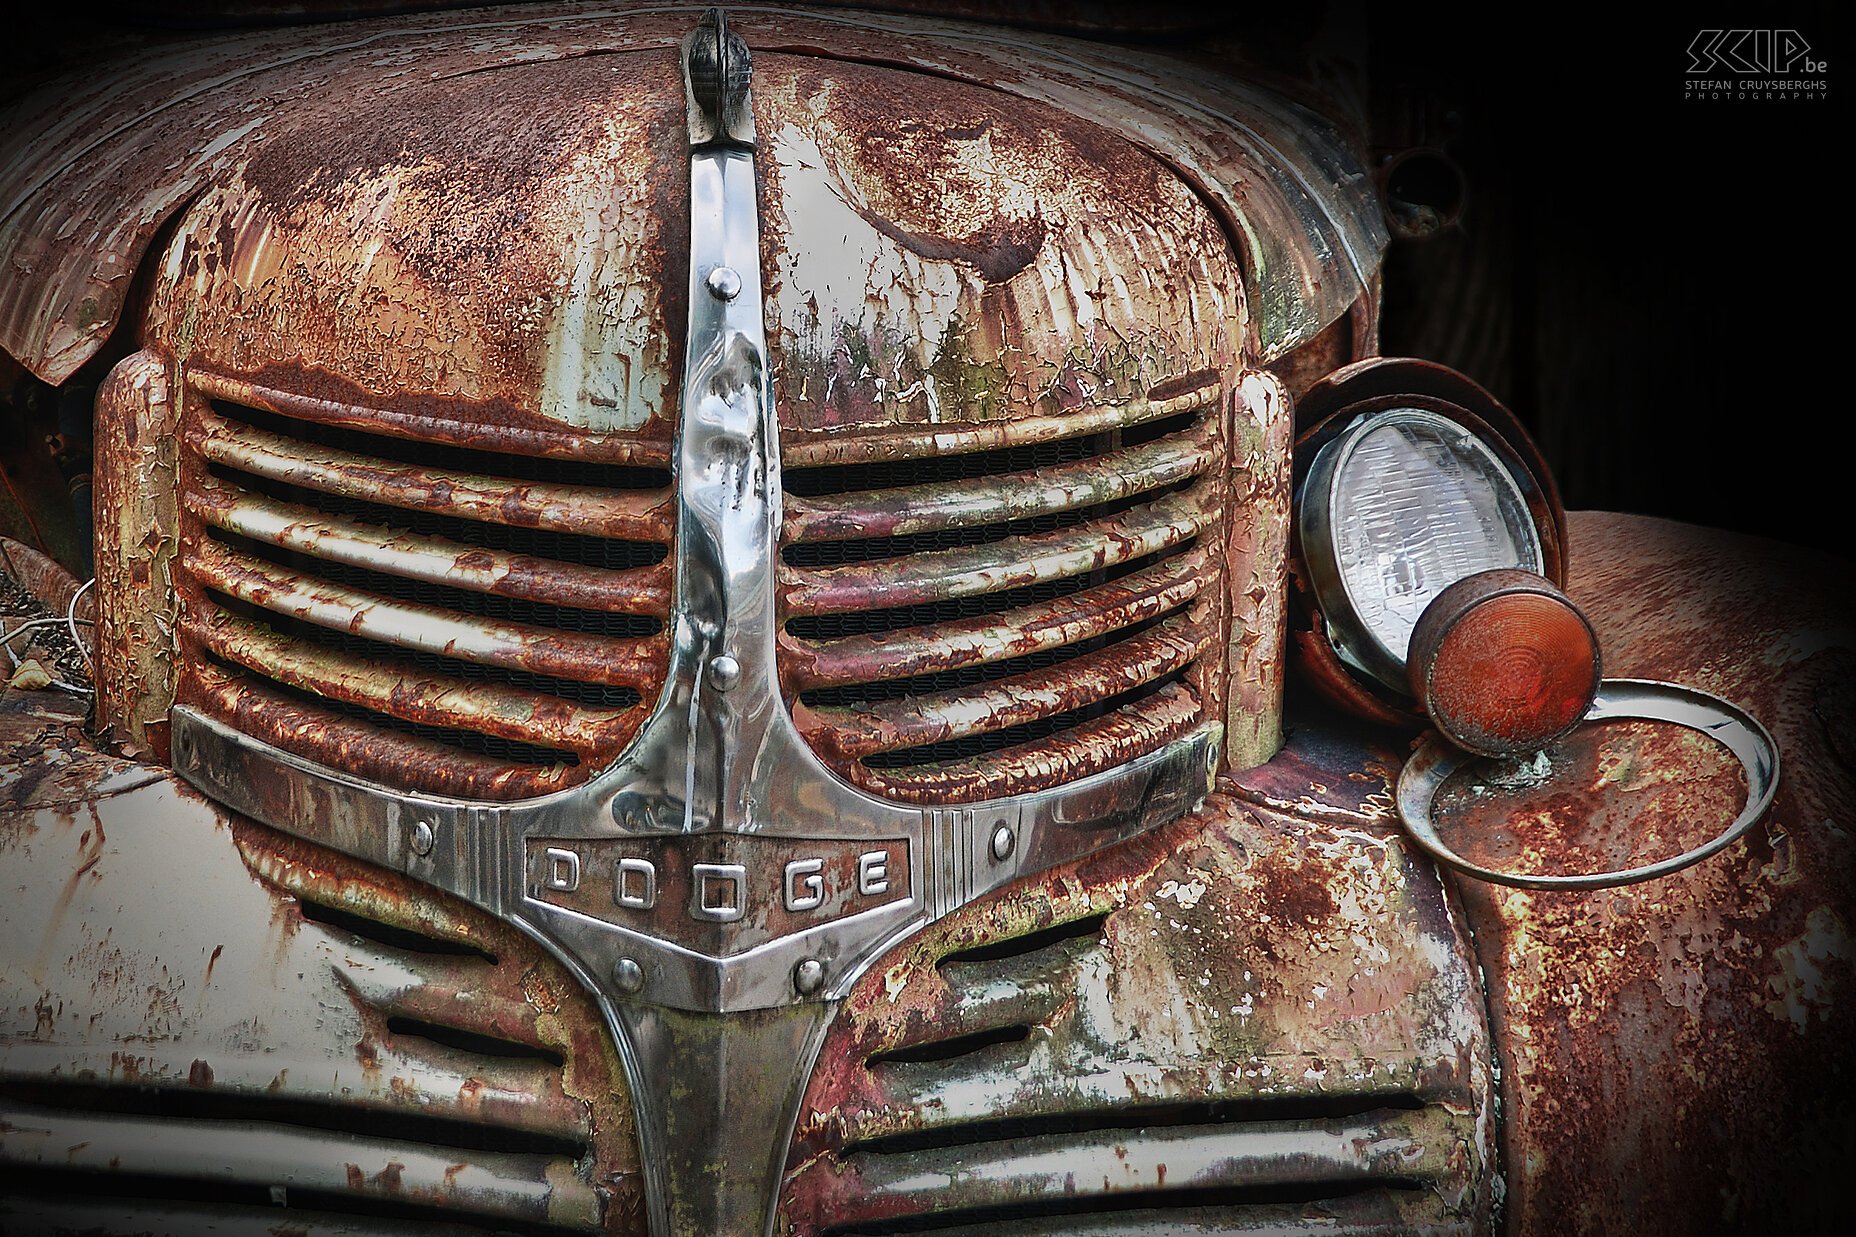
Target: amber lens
(1512,673)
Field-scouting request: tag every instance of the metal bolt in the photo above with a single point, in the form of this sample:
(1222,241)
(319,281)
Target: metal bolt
(724,672)
(423,839)
(628,975)
(1003,841)
(724,283)
(808,975)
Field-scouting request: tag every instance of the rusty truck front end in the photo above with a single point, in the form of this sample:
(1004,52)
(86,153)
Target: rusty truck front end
(690,635)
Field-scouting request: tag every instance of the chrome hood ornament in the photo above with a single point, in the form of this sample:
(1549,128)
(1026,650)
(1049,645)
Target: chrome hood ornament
(718,888)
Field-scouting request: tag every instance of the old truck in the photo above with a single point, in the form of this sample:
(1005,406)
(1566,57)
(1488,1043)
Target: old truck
(713,624)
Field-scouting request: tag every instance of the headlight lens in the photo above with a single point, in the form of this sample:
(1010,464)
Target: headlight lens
(1402,504)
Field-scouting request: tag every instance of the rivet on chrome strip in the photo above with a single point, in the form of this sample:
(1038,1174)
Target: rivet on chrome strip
(423,839)
(724,283)
(1003,840)
(627,975)
(808,975)
(724,672)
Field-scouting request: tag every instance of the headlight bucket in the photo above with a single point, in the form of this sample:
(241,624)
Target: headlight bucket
(1335,648)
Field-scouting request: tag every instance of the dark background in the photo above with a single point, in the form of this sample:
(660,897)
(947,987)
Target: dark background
(1653,284)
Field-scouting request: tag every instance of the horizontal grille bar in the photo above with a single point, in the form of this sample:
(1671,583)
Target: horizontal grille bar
(374,747)
(346,1168)
(404,691)
(921,719)
(410,556)
(1262,1212)
(565,654)
(618,514)
(1008,563)
(552,442)
(1017,632)
(1013,496)
(890,443)
(1054,750)
(1396,1146)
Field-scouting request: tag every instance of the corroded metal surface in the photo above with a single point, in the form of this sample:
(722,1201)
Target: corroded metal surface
(138,537)
(1238,1001)
(309,1023)
(1255,557)
(1050,322)
(634,516)
(1674,1055)
(475,290)
(265,119)
(944,252)
(1331,769)
(353,561)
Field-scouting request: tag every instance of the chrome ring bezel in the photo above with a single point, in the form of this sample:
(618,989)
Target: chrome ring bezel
(1353,642)
(1436,760)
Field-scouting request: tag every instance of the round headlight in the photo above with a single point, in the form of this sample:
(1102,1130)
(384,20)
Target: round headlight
(1398,507)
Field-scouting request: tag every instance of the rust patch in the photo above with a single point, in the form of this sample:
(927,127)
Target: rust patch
(1672,1053)
(511,992)
(1185,978)
(941,253)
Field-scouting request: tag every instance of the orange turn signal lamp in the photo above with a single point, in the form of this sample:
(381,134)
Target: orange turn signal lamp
(1503,662)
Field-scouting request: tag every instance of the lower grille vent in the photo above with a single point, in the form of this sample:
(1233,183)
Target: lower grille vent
(427,615)
(967,616)
(1118,1071)
(456,1112)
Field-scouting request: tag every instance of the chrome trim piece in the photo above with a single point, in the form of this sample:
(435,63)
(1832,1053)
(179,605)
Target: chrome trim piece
(477,851)
(1435,761)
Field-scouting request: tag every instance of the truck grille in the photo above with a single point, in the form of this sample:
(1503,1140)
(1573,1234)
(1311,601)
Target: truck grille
(972,613)
(412,608)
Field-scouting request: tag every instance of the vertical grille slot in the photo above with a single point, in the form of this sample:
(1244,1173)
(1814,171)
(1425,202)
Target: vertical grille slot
(433,616)
(969,616)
